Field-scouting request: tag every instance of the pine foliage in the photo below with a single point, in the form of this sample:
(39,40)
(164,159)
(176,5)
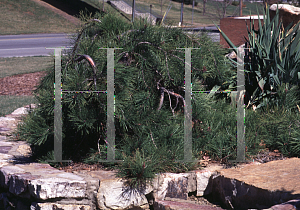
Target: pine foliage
(149,131)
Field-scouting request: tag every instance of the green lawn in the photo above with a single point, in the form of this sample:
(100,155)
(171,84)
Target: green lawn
(173,16)
(10,103)
(25,17)
(20,65)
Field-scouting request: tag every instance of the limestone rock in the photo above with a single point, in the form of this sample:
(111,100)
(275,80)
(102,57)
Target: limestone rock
(290,205)
(51,206)
(57,187)
(24,149)
(112,194)
(52,184)
(202,182)
(6,172)
(6,125)
(174,185)
(20,111)
(257,186)
(287,13)
(181,205)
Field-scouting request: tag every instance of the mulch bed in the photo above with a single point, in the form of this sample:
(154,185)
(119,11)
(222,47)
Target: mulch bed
(22,84)
(78,166)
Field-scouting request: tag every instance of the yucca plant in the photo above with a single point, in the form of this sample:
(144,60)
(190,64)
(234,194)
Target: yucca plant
(274,58)
(272,83)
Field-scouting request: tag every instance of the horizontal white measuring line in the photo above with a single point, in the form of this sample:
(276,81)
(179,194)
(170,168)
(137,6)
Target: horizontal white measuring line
(87,91)
(214,91)
(29,48)
(84,91)
(24,48)
(52,37)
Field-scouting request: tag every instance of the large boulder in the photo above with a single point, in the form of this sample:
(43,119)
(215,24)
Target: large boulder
(287,13)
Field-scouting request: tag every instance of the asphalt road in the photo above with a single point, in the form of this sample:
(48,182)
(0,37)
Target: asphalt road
(36,44)
(31,44)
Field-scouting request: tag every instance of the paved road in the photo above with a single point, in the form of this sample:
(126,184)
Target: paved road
(36,44)
(31,44)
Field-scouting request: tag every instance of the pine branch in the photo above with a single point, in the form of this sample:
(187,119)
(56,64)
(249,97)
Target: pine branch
(215,62)
(129,31)
(168,67)
(166,54)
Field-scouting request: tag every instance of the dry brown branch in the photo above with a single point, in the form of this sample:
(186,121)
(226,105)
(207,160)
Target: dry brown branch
(99,146)
(152,139)
(80,34)
(171,105)
(164,90)
(161,101)
(91,62)
(144,78)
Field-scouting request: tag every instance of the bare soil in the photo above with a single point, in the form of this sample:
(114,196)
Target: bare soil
(21,84)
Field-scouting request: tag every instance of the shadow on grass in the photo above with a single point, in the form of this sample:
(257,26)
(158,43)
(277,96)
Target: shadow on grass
(72,7)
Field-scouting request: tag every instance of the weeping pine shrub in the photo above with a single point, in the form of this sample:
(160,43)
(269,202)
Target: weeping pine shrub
(272,83)
(149,99)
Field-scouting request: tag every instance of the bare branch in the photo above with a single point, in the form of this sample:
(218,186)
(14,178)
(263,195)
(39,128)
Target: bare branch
(162,89)
(80,34)
(161,101)
(152,139)
(99,145)
(171,105)
(91,62)
(144,78)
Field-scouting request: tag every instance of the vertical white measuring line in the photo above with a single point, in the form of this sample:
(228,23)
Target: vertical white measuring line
(110,124)
(110,105)
(240,106)
(188,107)
(240,118)
(58,108)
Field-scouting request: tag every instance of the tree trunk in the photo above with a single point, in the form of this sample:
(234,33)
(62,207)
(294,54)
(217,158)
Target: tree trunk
(204,2)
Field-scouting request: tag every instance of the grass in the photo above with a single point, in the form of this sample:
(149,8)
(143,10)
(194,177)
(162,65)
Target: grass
(22,65)
(173,16)
(25,16)
(10,103)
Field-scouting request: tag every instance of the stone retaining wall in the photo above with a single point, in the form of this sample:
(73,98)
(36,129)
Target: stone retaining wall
(39,186)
